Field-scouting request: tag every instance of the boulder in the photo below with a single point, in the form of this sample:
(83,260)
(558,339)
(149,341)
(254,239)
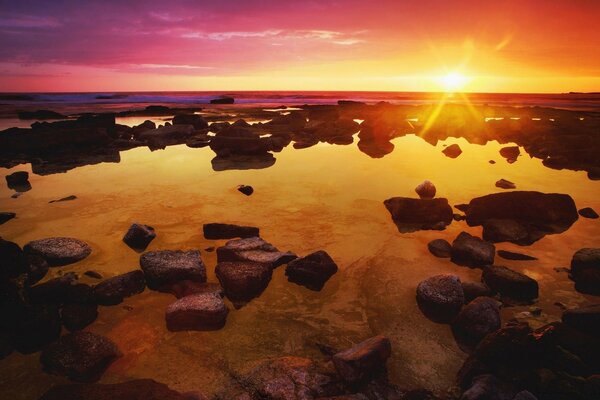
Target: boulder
(475,321)
(216,231)
(588,212)
(472,290)
(440,297)
(190,119)
(75,317)
(139,236)
(165,267)
(243,280)
(504,184)
(510,284)
(255,250)
(58,251)
(80,356)
(585,319)
(452,151)
(6,216)
(585,270)
(510,153)
(440,248)
(426,190)
(197,312)
(245,189)
(509,255)
(411,215)
(471,251)
(113,290)
(311,271)
(364,360)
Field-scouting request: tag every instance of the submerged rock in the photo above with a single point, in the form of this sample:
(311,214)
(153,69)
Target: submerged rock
(585,270)
(452,151)
(426,190)
(585,319)
(364,360)
(504,184)
(471,251)
(6,216)
(253,249)
(440,248)
(113,290)
(311,271)
(139,236)
(476,320)
(58,251)
(472,290)
(510,284)
(165,267)
(215,231)
(440,297)
(411,215)
(588,212)
(75,317)
(246,189)
(243,280)
(197,312)
(509,255)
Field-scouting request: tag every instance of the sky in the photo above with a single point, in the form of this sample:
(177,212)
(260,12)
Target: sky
(410,45)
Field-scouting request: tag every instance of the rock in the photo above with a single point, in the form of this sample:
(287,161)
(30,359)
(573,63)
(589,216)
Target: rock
(505,230)
(510,153)
(426,190)
(585,270)
(458,217)
(440,297)
(75,317)
(243,280)
(198,141)
(440,248)
(509,255)
(62,290)
(245,189)
(492,162)
(588,212)
(471,251)
(13,262)
(165,267)
(139,236)
(411,215)
(58,251)
(524,395)
(38,268)
(17,179)
(190,119)
(472,290)
(510,284)
(68,198)
(255,250)
(504,184)
(363,360)
(138,389)
(40,114)
(476,320)
(35,326)
(311,271)
(80,356)
(452,151)
(462,207)
(488,387)
(186,288)
(93,274)
(197,312)
(167,135)
(223,100)
(113,290)
(585,319)
(216,231)
(6,216)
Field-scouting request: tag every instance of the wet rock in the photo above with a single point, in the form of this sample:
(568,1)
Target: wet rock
(35,326)
(510,153)
(440,248)
(242,162)
(426,190)
(488,387)
(190,119)
(509,255)
(223,100)
(80,356)
(68,198)
(440,297)
(458,217)
(236,140)
(186,288)
(245,189)
(197,312)
(93,274)
(255,250)
(198,141)
(13,262)
(585,270)
(585,319)
(471,251)
(462,207)
(492,162)
(506,230)
(75,317)
(242,280)
(166,135)
(143,127)
(311,271)
(363,360)
(588,212)
(510,284)
(58,251)
(17,179)
(62,290)
(411,215)
(38,268)
(165,267)
(216,231)
(113,290)
(452,151)
(476,320)
(40,114)
(472,290)
(504,184)
(6,216)
(139,236)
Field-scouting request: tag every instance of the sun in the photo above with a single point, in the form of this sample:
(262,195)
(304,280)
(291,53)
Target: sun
(453,81)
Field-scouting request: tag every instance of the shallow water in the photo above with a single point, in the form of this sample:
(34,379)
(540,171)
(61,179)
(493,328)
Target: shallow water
(324,197)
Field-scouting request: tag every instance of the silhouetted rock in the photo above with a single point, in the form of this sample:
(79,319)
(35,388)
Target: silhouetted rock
(510,284)
(167,135)
(139,236)
(113,290)
(216,231)
(40,114)
(80,356)
(13,262)
(245,189)
(585,319)
(411,215)
(426,190)
(243,280)
(588,212)
(58,251)
(440,297)
(64,289)
(255,250)
(38,268)
(6,216)
(165,267)
(504,184)
(509,255)
(190,119)
(472,290)
(242,162)
(75,317)
(471,251)
(311,271)
(476,320)
(364,360)
(197,312)
(235,140)
(34,327)
(440,248)
(18,181)
(510,153)
(223,100)
(585,270)
(452,151)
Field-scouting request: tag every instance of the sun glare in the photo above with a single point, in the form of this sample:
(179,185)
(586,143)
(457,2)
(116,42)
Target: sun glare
(453,82)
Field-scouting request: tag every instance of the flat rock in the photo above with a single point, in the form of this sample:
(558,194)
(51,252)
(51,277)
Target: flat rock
(585,319)
(243,280)
(75,317)
(165,267)
(113,290)
(411,215)
(471,251)
(509,255)
(364,360)
(476,320)
(510,284)
(452,151)
(197,312)
(585,270)
(58,251)
(472,290)
(311,271)
(440,297)
(426,190)
(6,216)
(440,248)
(215,231)
(80,356)
(504,184)
(245,189)
(588,212)
(253,249)
(139,236)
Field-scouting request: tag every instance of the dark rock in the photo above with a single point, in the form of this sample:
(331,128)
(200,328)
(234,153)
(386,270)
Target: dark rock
(440,297)
(524,395)
(411,215)
(6,345)
(40,114)
(62,290)
(585,270)
(488,387)
(588,212)
(506,230)
(364,360)
(245,189)
(585,319)
(476,320)
(223,100)
(68,198)
(243,280)
(113,290)
(165,267)
(509,255)
(426,190)
(35,327)
(510,153)
(510,284)
(139,236)
(80,356)
(13,262)
(504,184)
(461,207)
(472,290)
(197,312)
(167,135)
(190,119)
(471,251)
(458,217)
(17,179)
(228,231)
(237,141)
(242,162)
(93,274)
(492,162)
(439,248)
(255,250)
(452,151)
(198,141)
(6,216)
(75,317)
(58,251)
(186,288)
(311,271)
(38,268)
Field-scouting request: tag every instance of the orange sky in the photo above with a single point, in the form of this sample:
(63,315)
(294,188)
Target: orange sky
(499,46)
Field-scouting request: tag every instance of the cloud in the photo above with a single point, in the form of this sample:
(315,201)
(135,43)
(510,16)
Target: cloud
(28,21)
(312,34)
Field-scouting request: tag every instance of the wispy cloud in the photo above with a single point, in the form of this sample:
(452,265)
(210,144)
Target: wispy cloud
(171,66)
(334,37)
(28,21)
